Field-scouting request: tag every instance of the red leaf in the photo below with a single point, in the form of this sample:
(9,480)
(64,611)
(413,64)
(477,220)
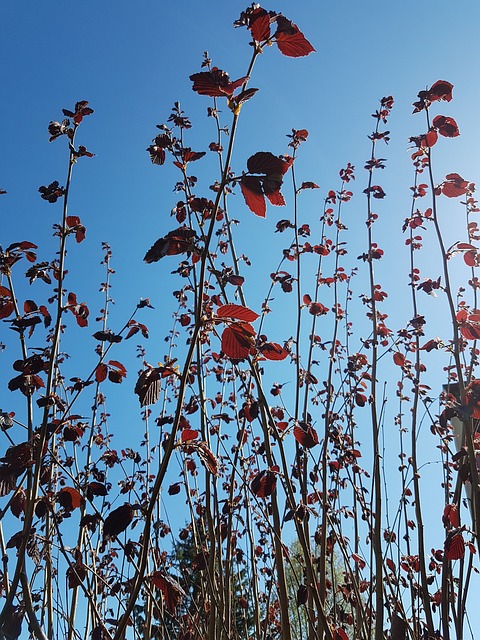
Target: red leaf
(454,186)
(273,351)
(253,193)
(429,139)
(238,340)
(101,372)
(119,366)
(359,560)
(309,185)
(5,293)
(6,308)
(264,483)
(29,306)
(360,399)
(305,435)
(290,40)
(148,386)
(117,521)
(188,434)
(172,592)
(318,309)
(174,489)
(18,503)
(236,311)
(69,498)
(399,358)
(208,459)
(302,595)
(454,546)
(265,162)
(440,90)
(450,516)
(180,240)
(215,83)
(275,197)
(471,258)
(75,224)
(446,126)
(260,24)
(391,565)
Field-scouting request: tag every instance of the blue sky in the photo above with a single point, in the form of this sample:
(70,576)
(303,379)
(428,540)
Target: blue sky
(133,63)
(133,60)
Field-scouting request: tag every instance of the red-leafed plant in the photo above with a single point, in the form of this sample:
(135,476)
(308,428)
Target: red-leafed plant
(254,482)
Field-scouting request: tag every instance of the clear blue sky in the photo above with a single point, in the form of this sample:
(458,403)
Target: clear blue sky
(133,60)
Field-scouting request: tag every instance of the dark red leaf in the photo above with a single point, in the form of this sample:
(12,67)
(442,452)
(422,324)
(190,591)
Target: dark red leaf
(264,483)
(243,96)
(265,162)
(450,516)
(101,372)
(309,185)
(215,83)
(174,489)
(440,90)
(273,351)
(107,336)
(260,24)
(253,193)
(318,309)
(189,434)
(446,126)
(172,592)
(29,306)
(454,546)
(148,386)
(69,498)
(305,435)
(208,459)
(238,340)
(95,488)
(359,560)
(290,40)
(181,240)
(117,521)
(302,595)
(18,503)
(76,574)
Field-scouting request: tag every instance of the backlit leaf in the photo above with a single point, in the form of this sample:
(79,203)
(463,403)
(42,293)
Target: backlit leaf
(454,546)
(117,521)
(305,435)
(273,351)
(171,590)
(236,311)
(148,386)
(238,340)
(267,163)
(69,498)
(260,24)
(446,126)
(290,40)
(253,193)
(264,483)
